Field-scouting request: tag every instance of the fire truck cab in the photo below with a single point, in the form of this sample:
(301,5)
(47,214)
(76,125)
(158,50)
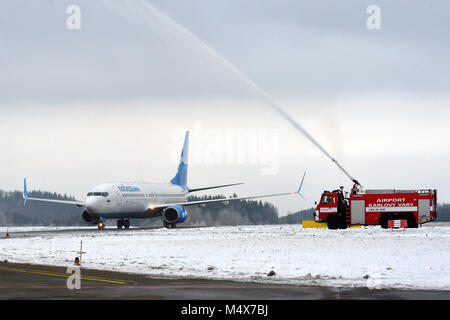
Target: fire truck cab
(341,209)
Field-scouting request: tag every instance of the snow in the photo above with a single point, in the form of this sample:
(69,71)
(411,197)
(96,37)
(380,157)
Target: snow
(365,257)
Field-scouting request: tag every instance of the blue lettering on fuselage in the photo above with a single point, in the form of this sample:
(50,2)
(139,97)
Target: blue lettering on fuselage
(123,188)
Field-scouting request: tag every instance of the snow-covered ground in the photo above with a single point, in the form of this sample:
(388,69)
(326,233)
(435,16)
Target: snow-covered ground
(373,257)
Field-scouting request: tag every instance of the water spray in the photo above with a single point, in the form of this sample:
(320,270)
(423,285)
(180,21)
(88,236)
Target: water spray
(129,10)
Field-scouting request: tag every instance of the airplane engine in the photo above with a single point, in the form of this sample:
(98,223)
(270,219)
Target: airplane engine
(174,214)
(87,218)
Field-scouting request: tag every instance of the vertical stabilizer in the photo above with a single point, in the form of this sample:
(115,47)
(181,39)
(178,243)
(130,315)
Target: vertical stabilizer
(25,192)
(180,178)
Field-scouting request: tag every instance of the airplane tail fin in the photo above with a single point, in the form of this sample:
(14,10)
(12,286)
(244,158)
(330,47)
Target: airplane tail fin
(25,192)
(180,178)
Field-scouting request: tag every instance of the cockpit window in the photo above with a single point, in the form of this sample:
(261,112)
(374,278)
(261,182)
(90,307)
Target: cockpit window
(98,194)
(326,200)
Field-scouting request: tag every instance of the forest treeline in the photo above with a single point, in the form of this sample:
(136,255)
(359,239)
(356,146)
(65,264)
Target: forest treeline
(240,212)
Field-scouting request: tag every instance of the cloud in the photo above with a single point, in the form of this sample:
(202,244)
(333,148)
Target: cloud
(288,48)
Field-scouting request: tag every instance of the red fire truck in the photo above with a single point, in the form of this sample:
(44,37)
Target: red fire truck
(376,207)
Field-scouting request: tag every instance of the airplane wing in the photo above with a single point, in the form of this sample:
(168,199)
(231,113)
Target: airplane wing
(226,200)
(214,187)
(26,198)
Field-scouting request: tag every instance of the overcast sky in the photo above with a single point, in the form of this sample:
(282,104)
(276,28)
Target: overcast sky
(111,100)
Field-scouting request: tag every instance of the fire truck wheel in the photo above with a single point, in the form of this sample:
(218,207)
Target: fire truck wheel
(334,223)
(384,221)
(412,222)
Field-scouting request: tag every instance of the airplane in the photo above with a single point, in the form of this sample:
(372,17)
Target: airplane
(124,200)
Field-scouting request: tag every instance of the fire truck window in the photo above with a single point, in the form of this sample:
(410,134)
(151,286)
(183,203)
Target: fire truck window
(326,200)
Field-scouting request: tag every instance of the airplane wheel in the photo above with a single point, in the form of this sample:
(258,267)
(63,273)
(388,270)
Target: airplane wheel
(126,224)
(120,224)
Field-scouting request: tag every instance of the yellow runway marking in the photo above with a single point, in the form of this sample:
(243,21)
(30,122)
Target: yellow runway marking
(66,275)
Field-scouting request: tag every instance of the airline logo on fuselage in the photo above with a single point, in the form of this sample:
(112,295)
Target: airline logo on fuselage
(123,188)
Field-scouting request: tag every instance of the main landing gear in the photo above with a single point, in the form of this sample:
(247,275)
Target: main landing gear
(169,225)
(125,223)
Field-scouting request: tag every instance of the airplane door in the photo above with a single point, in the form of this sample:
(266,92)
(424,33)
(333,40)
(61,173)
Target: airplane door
(118,199)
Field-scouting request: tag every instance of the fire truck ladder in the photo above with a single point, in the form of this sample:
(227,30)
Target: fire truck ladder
(347,216)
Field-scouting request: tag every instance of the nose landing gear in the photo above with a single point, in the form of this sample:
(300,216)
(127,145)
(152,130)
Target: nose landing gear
(101,225)
(123,223)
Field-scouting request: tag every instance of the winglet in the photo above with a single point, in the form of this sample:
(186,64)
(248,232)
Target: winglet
(25,192)
(300,188)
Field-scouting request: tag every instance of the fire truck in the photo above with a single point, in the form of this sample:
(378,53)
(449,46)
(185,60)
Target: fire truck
(341,209)
(371,207)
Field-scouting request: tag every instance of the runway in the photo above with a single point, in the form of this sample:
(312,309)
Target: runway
(86,230)
(226,263)
(38,282)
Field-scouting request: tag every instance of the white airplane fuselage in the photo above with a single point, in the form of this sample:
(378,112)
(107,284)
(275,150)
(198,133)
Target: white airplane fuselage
(133,200)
